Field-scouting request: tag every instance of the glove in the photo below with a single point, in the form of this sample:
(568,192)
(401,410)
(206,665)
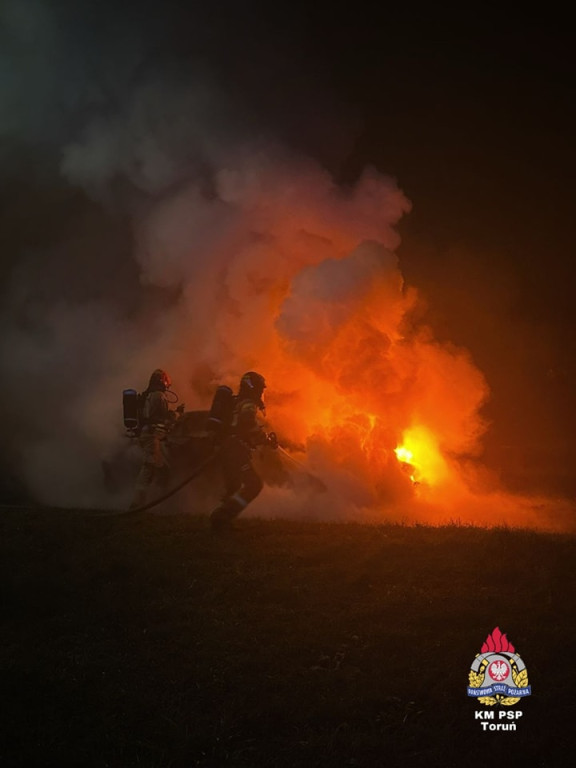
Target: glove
(181,408)
(272,440)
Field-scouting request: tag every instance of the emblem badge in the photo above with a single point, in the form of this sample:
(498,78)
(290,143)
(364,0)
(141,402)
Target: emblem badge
(498,675)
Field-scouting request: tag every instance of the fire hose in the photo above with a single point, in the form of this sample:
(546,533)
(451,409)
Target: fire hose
(117,512)
(96,512)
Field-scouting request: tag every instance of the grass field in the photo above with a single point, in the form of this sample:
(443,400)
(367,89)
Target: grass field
(148,641)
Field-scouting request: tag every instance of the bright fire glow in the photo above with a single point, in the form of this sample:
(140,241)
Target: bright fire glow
(404,455)
(420,453)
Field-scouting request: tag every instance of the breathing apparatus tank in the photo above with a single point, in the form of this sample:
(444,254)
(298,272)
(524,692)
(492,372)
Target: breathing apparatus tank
(131,408)
(221,411)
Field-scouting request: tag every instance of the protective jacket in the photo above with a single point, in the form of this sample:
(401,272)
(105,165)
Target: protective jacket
(245,423)
(155,412)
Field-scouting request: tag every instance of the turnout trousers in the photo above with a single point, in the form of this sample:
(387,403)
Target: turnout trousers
(242,483)
(155,467)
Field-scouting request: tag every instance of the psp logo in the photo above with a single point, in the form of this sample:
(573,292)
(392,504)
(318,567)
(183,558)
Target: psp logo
(498,675)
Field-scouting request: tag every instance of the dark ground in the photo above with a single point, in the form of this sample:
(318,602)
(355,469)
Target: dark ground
(149,642)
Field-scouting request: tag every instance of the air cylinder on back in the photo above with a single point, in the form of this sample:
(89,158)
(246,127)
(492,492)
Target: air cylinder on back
(130,408)
(221,411)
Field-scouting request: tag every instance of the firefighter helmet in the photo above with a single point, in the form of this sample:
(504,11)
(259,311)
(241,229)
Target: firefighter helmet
(252,386)
(159,380)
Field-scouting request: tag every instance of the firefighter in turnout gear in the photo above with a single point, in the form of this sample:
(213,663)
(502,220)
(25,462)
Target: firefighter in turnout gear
(242,482)
(157,419)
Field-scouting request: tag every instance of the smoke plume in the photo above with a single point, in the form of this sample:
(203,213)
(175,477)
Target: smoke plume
(228,250)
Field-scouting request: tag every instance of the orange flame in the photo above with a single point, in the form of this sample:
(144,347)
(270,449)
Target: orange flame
(420,453)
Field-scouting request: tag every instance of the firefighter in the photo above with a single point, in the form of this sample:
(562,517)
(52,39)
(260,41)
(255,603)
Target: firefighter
(242,483)
(157,419)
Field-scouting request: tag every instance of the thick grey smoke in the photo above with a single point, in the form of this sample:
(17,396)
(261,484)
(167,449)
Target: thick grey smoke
(219,212)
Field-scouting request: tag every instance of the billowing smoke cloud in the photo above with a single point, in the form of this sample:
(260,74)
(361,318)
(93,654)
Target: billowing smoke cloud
(243,254)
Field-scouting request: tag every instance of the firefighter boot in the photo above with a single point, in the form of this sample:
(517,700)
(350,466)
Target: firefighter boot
(222,517)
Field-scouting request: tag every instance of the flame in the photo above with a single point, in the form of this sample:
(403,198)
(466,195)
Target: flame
(419,452)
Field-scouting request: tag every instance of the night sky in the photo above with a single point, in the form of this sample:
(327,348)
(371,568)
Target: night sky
(472,114)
